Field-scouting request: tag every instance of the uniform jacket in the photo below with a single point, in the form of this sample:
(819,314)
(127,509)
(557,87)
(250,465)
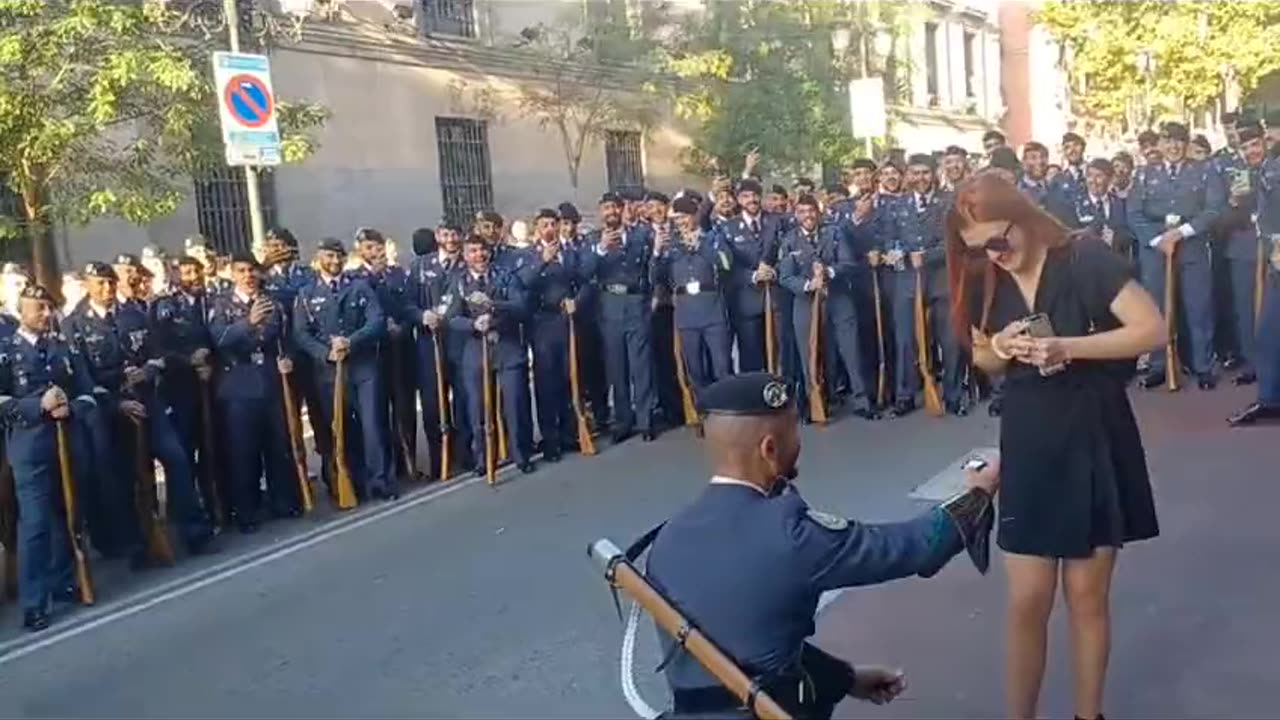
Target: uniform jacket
(696,277)
(831,244)
(1195,197)
(27,371)
(345,307)
(1107,211)
(508,308)
(620,272)
(246,354)
(1235,226)
(918,226)
(1063,192)
(179,323)
(121,339)
(548,284)
(750,248)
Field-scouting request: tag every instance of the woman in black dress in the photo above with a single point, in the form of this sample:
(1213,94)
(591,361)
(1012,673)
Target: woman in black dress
(1074,476)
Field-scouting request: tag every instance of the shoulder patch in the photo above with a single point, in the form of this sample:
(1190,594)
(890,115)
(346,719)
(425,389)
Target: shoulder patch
(827,520)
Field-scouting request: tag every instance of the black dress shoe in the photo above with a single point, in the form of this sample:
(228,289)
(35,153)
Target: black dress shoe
(1231,363)
(1246,377)
(478,472)
(68,595)
(35,620)
(527,467)
(866,413)
(1207,381)
(551,456)
(1152,380)
(962,409)
(648,436)
(621,437)
(1253,413)
(902,408)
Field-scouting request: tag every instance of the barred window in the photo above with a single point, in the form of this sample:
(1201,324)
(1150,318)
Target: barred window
(448,17)
(623,161)
(466,182)
(222,208)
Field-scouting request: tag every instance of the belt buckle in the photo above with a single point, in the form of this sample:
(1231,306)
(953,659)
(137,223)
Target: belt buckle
(693,287)
(616,289)
(258,357)
(1172,221)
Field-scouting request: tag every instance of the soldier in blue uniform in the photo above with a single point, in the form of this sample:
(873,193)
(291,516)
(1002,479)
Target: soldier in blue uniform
(1122,180)
(130,286)
(42,381)
(1101,210)
(595,379)
(338,317)
(748,559)
(914,243)
(1066,187)
(694,266)
(666,376)
(1171,209)
(487,306)
(752,237)
(1267,348)
(827,258)
(124,363)
(617,261)
(1035,161)
(955,167)
(247,327)
(554,288)
(179,323)
(1241,245)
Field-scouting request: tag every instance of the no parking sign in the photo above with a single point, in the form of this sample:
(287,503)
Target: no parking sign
(247,107)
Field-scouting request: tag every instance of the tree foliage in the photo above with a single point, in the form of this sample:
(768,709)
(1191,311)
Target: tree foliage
(104,113)
(1193,44)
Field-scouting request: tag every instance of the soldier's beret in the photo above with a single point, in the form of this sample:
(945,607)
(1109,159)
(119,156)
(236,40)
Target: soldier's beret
(1202,141)
(721,182)
(187,260)
(1175,131)
(332,245)
(993,135)
(750,185)
(753,393)
(99,270)
(196,241)
(921,159)
(778,190)
(1147,138)
(804,182)
(685,205)
(806,199)
(568,211)
(1003,157)
(489,216)
(128,259)
(1070,137)
(241,256)
(655,196)
(864,164)
(153,252)
(365,234)
(546,213)
(35,292)
(1102,165)
(283,235)
(955,150)
(632,195)
(1249,133)
(424,241)
(611,197)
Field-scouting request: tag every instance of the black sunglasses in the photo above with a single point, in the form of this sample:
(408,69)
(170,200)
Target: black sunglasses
(995,243)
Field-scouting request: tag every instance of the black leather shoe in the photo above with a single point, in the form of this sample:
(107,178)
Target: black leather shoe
(1246,377)
(478,472)
(621,437)
(902,408)
(866,413)
(648,436)
(1152,380)
(1207,381)
(1253,413)
(551,456)
(527,467)
(35,620)
(1231,363)
(962,409)
(67,596)
(995,407)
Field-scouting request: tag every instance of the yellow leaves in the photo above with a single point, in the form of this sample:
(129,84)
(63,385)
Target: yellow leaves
(713,64)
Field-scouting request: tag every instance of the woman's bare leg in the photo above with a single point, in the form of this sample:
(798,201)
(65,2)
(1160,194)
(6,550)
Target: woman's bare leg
(1033,583)
(1087,587)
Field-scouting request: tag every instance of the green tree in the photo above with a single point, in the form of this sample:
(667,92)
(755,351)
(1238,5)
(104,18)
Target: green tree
(107,108)
(1195,46)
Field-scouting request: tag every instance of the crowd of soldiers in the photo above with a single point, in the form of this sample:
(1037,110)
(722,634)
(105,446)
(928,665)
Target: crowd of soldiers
(204,364)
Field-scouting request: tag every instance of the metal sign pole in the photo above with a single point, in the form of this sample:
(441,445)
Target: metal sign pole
(229,7)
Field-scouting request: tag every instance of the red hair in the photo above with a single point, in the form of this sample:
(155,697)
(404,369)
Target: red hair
(987,197)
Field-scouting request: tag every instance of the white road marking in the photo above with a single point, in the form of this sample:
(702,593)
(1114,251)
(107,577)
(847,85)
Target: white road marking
(824,600)
(19,648)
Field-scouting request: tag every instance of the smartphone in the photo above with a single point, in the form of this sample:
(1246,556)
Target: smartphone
(974,464)
(1039,326)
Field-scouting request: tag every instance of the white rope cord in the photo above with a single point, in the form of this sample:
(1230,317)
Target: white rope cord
(629,690)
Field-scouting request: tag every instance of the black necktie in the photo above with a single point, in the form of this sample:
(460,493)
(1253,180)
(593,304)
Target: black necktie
(333,286)
(1173,171)
(755,226)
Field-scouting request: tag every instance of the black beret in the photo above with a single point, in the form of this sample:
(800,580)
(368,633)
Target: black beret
(1122,157)
(1103,165)
(187,260)
(35,292)
(1147,138)
(244,256)
(1202,141)
(804,182)
(955,150)
(100,270)
(778,190)
(993,135)
(451,226)
(864,163)
(490,216)
(807,200)
(127,259)
(1003,157)
(1250,132)
(1175,131)
(750,185)
(568,211)
(283,235)
(546,213)
(611,197)
(752,393)
(1070,137)
(196,241)
(332,245)
(921,159)
(424,241)
(655,196)
(685,205)
(632,195)
(365,234)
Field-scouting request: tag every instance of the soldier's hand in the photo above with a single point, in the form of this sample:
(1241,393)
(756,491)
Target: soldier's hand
(479,298)
(133,376)
(259,313)
(430,319)
(764,273)
(893,257)
(1169,241)
(133,409)
(483,322)
(988,478)
(863,206)
(61,412)
(873,258)
(917,259)
(570,306)
(877,684)
(52,399)
(340,344)
(277,256)
(284,365)
(200,357)
(204,372)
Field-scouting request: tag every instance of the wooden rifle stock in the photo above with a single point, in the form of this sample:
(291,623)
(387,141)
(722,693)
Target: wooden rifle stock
(882,377)
(1173,364)
(499,423)
(345,491)
(622,575)
(770,342)
(297,449)
(682,377)
(932,398)
(442,404)
(210,483)
(1259,277)
(817,376)
(84,579)
(585,444)
(490,442)
(155,533)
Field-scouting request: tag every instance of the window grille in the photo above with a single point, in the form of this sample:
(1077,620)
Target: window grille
(222,208)
(623,160)
(449,17)
(466,181)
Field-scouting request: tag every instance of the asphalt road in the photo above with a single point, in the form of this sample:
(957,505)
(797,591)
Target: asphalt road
(466,601)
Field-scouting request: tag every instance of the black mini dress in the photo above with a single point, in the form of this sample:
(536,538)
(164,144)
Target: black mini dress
(1073,470)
